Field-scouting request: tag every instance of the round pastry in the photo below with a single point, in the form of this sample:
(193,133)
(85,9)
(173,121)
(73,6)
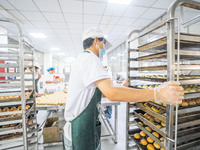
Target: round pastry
(136,136)
(148,129)
(159,126)
(12,115)
(150,147)
(6,97)
(5,109)
(150,140)
(161,111)
(147,76)
(19,114)
(186,91)
(162,148)
(155,109)
(142,133)
(154,76)
(5,126)
(1,97)
(12,125)
(1,110)
(197,101)
(192,103)
(145,86)
(162,139)
(13,109)
(156,145)
(157,120)
(184,103)
(192,90)
(146,115)
(151,87)
(139,86)
(163,124)
(143,142)
(140,123)
(20,107)
(160,103)
(164,104)
(156,134)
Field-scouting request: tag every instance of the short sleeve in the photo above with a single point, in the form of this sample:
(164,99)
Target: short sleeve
(92,70)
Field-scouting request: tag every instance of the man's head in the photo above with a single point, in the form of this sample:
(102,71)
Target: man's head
(51,70)
(93,38)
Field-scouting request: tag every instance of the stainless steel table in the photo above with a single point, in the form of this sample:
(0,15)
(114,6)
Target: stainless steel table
(113,132)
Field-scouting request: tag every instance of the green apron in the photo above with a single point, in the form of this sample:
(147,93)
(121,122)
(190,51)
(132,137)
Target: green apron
(86,128)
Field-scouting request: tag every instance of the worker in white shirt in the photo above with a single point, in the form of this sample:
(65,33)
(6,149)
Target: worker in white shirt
(88,80)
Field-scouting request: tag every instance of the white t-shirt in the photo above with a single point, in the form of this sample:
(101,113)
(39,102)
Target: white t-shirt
(86,70)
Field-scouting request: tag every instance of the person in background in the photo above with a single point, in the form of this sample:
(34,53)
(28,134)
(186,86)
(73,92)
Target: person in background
(37,76)
(49,76)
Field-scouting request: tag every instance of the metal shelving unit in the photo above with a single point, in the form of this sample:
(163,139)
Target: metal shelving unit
(18,124)
(172,50)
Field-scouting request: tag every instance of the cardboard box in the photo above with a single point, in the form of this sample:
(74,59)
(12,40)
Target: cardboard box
(50,131)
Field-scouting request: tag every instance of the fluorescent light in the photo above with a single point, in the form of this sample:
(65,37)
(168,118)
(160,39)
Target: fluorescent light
(38,35)
(106,36)
(120,1)
(61,54)
(55,48)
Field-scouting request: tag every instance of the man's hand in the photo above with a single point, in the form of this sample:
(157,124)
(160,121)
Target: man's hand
(169,92)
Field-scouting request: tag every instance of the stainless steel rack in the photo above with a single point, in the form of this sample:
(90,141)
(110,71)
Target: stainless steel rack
(18,124)
(172,49)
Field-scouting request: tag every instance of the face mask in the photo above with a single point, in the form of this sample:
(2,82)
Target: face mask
(102,52)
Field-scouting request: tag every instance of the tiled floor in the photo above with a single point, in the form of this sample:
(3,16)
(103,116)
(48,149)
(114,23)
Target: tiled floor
(107,143)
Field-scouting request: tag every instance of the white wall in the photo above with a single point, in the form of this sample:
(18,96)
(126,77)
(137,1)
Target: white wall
(47,61)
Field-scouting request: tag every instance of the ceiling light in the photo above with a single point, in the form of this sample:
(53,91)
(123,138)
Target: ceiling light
(55,48)
(120,1)
(38,35)
(106,36)
(61,54)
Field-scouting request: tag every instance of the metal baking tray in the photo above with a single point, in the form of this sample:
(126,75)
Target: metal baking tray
(184,55)
(161,80)
(181,109)
(161,131)
(187,41)
(137,142)
(161,117)
(164,67)
(150,134)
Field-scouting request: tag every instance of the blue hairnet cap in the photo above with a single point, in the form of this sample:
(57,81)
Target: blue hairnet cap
(50,68)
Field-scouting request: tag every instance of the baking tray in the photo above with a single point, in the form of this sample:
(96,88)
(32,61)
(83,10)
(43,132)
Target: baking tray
(184,55)
(161,131)
(182,67)
(181,109)
(150,134)
(187,41)
(137,142)
(161,117)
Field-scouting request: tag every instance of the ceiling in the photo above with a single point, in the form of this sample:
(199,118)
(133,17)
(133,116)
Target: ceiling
(63,21)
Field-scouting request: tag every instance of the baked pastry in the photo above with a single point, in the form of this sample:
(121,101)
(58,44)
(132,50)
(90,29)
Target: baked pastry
(147,105)
(192,103)
(140,123)
(186,91)
(152,122)
(184,103)
(157,120)
(13,125)
(159,126)
(156,134)
(162,148)
(197,101)
(20,107)
(6,109)
(140,86)
(192,90)
(164,104)
(19,114)
(154,76)
(145,87)
(150,147)
(148,129)
(13,109)
(155,109)
(142,133)
(162,139)
(143,142)
(156,145)
(160,103)
(150,140)
(136,136)
(163,124)
(151,87)
(146,115)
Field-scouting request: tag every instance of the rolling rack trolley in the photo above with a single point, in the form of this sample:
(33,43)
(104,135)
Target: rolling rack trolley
(18,126)
(167,56)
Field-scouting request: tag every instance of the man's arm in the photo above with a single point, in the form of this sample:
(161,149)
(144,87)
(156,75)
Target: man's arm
(48,82)
(125,94)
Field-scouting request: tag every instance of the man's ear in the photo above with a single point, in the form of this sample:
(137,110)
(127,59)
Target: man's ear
(95,40)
